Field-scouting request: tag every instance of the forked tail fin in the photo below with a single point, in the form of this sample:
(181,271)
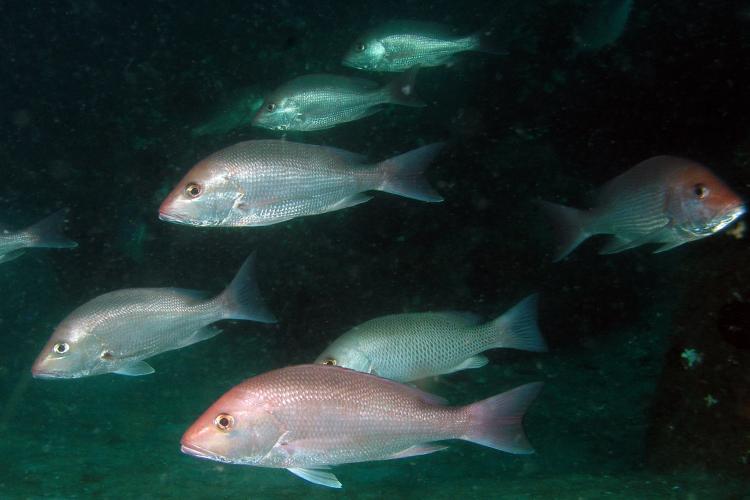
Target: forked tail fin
(404,174)
(48,232)
(517,328)
(570,227)
(242,299)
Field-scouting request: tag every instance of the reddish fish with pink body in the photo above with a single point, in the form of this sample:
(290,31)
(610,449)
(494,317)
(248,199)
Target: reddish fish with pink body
(663,200)
(307,418)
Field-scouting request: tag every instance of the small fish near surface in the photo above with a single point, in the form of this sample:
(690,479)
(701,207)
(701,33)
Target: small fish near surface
(258,183)
(317,102)
(115,332)
(46,233)
(406,347)
(400,45)
(307,418)
(664,200)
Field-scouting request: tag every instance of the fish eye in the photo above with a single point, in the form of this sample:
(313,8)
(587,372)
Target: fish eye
(360,47)
(700,191)
(61,347)
(270,107)
(224,421)
(329,362)
(193,190)
(107,356)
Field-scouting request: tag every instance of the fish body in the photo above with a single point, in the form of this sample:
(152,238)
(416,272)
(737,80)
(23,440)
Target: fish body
(231,113)
(257,183)
(406,347)
(317,102)
(665,200)
(115,332)
(46,233)
(400,45)
(309,417)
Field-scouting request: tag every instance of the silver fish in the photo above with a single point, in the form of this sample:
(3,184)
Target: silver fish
(257,183)
(46,233)
(115,332)
(309,417)
(401,45)
(406,347)
(317,102)
(664,199)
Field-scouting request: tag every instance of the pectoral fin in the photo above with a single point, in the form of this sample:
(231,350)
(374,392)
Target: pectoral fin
(136,369)
(316,476)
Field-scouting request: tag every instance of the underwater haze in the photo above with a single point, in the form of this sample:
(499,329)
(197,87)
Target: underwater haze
(501,177)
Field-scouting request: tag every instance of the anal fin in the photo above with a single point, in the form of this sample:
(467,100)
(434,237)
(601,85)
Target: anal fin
(12,255)
(136,369)
(417,450)
(619,244)
(668,246)
(477,361)
(316,476)
(204,333)
(350,201)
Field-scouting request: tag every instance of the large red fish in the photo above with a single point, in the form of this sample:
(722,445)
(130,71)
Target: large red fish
(309,417)
(664,200)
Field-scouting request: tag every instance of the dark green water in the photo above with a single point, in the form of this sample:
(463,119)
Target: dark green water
(106,106)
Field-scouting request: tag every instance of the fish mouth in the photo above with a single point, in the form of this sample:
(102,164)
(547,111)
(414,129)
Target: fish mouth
(198,452)
(732,215)
(50,374)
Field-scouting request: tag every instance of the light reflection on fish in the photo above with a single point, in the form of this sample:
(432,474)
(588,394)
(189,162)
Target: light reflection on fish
(46,233)
(317,102)
(115,332)
(406,347)
(664,200)
(307,418)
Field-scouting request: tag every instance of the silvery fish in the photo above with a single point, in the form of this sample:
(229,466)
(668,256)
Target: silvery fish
(46,233)
(234,111)
(115,332)
(257,183)
(317,102)
(309,417)
(406,347)
(664,199)
(401,45)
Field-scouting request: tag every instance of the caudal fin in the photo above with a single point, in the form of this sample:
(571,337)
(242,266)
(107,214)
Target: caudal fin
(487,41)
(400,90)
(497,422)
(48,233)
(518,328)
(570,227)
(242,300)
(403,174)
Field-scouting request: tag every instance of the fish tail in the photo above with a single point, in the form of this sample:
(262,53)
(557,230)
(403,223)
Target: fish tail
(401,91)
(497,422)
(242,299)
(485,41)
(403,174)
(48,232)
(518,328)
(570,227)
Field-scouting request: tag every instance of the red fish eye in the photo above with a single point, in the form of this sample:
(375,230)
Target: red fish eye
(61,347)
(329,362)
(271,107)
(193,190)
(360,47)
(700,190)
(224,421)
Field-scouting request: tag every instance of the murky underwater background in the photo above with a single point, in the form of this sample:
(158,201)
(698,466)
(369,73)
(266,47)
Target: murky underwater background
(106,104)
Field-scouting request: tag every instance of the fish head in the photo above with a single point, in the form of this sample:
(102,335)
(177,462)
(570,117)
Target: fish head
(701,204)
(238,428)
(204,197)
(366,53)
(278,112)
(345,356)
(70,353)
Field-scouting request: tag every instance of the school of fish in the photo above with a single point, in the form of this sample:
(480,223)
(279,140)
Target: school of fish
(352,404)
